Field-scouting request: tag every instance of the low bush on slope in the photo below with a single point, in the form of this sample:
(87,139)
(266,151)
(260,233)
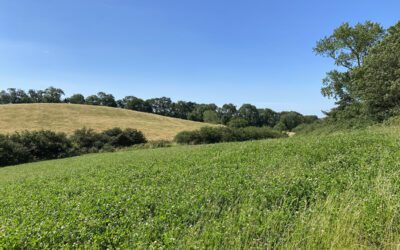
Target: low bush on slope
(335,191)
(207,135)
(30,146)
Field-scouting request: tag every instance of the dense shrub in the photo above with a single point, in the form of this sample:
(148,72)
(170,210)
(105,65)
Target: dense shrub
(12,153)
(208,135)
(188,137)
(328,126)
(238,122)
(42,145)
(117,137)
(88,141)
(153,145)
(256,133)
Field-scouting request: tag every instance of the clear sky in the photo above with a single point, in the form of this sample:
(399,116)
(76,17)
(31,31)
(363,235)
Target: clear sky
(212,51)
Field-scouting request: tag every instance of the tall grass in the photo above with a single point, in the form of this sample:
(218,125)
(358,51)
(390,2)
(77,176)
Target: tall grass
(333,191)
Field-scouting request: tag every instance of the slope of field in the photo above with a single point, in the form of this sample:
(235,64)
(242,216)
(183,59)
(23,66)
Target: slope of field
(69,117)
(336,191)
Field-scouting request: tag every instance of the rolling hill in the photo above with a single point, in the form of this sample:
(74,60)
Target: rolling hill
(339,191)
(69,117)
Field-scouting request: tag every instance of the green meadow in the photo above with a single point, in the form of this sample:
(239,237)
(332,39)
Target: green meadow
(340,190)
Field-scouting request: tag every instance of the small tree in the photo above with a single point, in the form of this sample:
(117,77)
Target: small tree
(227,112)
(134,103)
(77,99)
(250,114)
(52,95)
(5,97)
(211,116)
(106,99)
(93,100)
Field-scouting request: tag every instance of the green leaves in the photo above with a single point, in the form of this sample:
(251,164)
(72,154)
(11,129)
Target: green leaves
(348,46)
(377,82)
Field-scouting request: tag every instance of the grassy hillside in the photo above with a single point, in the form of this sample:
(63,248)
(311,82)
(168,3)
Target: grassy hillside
(332,191)
(69,117)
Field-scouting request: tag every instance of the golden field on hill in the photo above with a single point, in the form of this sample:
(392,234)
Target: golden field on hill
(69,117)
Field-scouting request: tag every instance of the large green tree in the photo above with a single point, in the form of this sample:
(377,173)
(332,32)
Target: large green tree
(249,113)
(227,112)
(347,46)
(76,99)
(377,81)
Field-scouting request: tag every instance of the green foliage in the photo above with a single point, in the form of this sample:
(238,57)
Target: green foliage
(208,135)
(238,122)
(134,103)
(247,115)
(88,141)
(198,111)
(153,145)
(337,191)
(377,82)
(52,95)
(227,112)
(289,120)
(33,146)
(43,145)
(307,119)
(250,114)
(76,99)
(211,116)
(329,126)
(348,46)
(106,99)
(92,100)
(161,106)
(268,117)
(117,137)
(12,153)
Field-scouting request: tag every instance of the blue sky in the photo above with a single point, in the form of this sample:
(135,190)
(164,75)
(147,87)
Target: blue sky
(212,51)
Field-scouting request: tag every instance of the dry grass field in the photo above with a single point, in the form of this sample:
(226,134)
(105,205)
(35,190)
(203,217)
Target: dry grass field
(69,117)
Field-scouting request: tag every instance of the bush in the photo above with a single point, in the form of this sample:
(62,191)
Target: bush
(153,145)
(256,133)
(12,153)
(188,137)
(117,137)
(44,144)
(88,141)
(238,122)
(208,135)
(328,126)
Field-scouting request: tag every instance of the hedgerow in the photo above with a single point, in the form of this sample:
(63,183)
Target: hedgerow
(27,146)
(207,135)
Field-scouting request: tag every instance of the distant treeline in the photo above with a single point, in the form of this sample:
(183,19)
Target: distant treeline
(228,114)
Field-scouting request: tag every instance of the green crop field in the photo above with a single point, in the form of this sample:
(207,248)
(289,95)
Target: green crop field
(327,191)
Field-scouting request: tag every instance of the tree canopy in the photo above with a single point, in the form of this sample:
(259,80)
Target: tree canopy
(368,80)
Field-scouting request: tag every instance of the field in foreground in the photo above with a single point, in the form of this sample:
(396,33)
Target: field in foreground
(334,191)
(69,117)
